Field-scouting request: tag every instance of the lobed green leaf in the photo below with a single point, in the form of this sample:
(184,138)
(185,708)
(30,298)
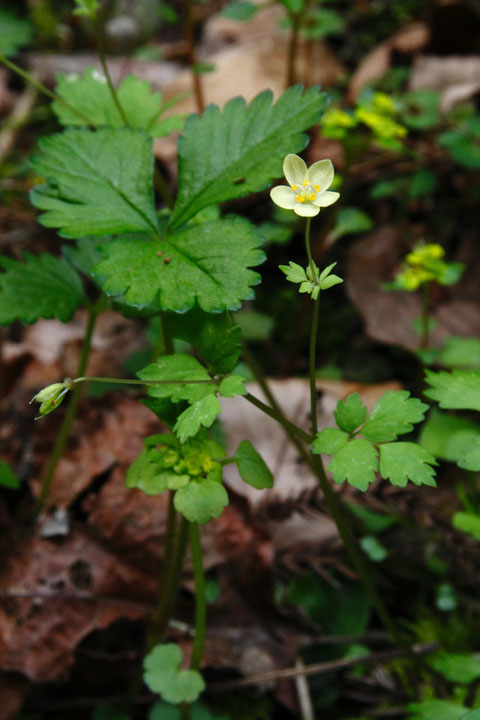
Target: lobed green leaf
(201,501)
(356,463)
(404,461)
(394,414)
(459,389)
(225,154)
(163,675)
(350,413)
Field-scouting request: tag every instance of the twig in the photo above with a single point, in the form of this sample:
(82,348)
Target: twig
(324,667)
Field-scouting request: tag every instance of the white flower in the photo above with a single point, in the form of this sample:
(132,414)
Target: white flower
(307,191)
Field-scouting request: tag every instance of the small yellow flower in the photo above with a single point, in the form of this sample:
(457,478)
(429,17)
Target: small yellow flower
(307,191)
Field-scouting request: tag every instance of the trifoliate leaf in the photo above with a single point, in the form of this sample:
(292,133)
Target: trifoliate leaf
(456,667)
(203,412)
(394,414)
(404,461)
(433,709)
(201,501)
(90,95)
(295,273)
(15,32)
(350,413)
(252,467)
(206,263)
(8,479)
(326,280)
(171,368)
(458,389)
(97,182)
(232,385)
(219,342)
(163,675)
(330,441)
(225,154)
(356,463)
(41,287)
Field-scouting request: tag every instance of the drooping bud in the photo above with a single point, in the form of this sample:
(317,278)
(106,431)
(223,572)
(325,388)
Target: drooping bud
(51,396)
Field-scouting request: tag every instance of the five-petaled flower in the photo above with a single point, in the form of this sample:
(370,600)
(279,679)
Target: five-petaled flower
(307,191)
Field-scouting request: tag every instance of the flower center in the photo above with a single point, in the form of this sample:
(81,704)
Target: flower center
(306,192)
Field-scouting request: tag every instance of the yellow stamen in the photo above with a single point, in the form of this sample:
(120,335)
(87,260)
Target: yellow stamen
(300,198)
(317,187)
(294,187)
(305,182)
(311,197)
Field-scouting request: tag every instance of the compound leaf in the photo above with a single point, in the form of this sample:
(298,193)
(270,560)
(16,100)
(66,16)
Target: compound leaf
(225,154)
(232,385)
(205,263)
(356,463)
(98,182)
(404,461)
(144,473)
(350,413)
(252,468)
(163,675)
(200,501)
(43,286)
(457,389)
(394,414)
(169,369)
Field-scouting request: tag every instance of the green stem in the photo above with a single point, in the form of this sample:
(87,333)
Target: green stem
(127,381)
(170,586)
(168,348)
(313,336)
(308,248)
(103,62)
(189,33)
(64,433)
(41,88)
(425,316)
(293,430)
(200,600)
(167,571)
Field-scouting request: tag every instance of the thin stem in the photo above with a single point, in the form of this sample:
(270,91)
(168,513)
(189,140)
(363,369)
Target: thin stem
(424,341)
(308,248)
(295,19)
(64,433)
(167,571)
(189,32)
(41,88)
(170,586)
(168,348)
(313,336)
(128,381)
(293,430)
(200,600)
(103,61)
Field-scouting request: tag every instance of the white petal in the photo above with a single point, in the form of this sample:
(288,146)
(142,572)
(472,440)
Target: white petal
(294,169)
(306,209)
(283,196)
(321,173)
(324,199)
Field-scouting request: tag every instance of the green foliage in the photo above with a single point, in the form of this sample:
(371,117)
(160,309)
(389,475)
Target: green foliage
(219,341)
(404,461)
(351,220)
(343,611)
(41,287)
(459,389)
(460,352)
(15,32)
(90,96)
(373,548)
(175,372)
(308,283)
(449,437)
(433,709)
(191,470)
(207,263)
(163,711)
(8,479)
(356,463)
(456,668)
(419,109)
(240,10)
(463,142)
(163,675)
(251,467)
(356,459)
(350,413)
(394,414)
(225,154)
(468,523)
(87,8)
(97,182)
